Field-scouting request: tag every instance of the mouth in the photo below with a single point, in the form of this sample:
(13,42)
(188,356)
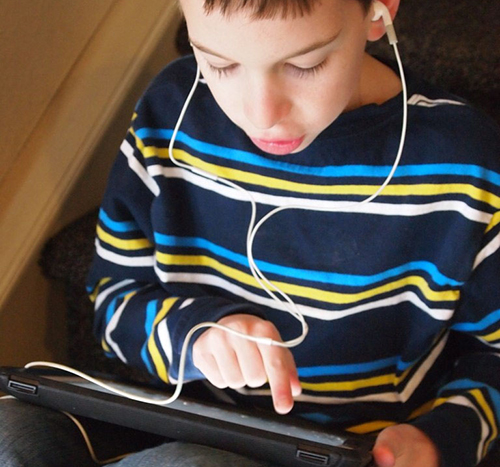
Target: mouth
(278,147)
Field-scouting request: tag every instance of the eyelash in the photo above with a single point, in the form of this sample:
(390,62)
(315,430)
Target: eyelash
(221,71)
(295,70)
(307,72)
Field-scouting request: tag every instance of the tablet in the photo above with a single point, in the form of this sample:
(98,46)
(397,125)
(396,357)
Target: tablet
(282,440)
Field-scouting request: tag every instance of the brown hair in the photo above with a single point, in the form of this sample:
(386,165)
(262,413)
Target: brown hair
(269,8)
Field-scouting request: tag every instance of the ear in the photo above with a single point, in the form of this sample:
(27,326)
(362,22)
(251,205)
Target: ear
(377,28)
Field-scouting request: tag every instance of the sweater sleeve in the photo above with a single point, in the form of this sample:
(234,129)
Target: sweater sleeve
(138,318)
(464,420)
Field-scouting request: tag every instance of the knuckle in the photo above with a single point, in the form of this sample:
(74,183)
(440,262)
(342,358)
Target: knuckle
(265,329)
(276,365)
(218,383)
(236,383)
(256,381)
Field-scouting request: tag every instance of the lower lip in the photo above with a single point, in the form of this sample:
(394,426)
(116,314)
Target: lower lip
(279,148)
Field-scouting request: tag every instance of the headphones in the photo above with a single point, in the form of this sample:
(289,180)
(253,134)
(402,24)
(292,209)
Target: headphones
(381,11)
(285,302)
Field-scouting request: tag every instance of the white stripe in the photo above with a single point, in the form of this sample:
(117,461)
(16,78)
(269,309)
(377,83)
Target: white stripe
(485,431)
(137,167)
(131,261)
(389,397)
(105,293)
(374,207)
(488,250)
(441,314)
(164,337)
(312,312)
(185,303)
(488,344)
(418,99)
(113,323)
(423,368)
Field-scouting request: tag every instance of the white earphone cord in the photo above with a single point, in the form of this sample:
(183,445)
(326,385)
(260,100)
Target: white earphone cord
(288,304)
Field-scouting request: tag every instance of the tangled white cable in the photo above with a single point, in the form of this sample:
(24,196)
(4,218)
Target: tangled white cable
(287,304)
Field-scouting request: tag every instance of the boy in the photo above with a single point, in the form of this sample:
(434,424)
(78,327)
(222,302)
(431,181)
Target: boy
(400,295)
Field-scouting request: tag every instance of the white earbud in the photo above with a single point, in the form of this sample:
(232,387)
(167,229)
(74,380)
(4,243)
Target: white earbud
(381,11)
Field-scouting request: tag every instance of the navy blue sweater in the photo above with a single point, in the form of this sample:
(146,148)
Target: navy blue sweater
(402,295)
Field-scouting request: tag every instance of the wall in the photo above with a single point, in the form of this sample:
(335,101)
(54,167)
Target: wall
(72,72)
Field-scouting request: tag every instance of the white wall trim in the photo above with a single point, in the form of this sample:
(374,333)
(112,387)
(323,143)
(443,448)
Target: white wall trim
(55,154)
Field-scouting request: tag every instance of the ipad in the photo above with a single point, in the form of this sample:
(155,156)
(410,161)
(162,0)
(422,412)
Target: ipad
(281,440)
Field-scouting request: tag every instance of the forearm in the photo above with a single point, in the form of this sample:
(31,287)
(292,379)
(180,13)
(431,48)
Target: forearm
(146,327)
(463,420)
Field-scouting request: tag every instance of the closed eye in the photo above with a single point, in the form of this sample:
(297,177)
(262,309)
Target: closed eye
(300,72)
(222,71)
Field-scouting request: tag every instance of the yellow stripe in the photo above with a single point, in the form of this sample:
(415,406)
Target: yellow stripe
(478,395)
(425,189)
(427,407)
(140,144)
(342,386)
(133,244)
(160,366)
(481,402)
(371,427)
(309,292)
(105,345)
(491,337)
(351,385)
(97,290)
(495,220)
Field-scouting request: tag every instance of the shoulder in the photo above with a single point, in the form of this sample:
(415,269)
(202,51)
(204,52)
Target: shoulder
(163,99)
(452,127)
(179,73)
(171,84)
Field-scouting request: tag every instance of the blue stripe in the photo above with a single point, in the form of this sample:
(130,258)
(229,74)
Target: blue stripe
(318,417)
(467,384)
(486,322)
(331,370)
(306,274)
(124,226)
(151,311)
(110,311)
(466,170)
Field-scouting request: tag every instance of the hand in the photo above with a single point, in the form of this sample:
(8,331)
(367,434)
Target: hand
(404,446)
(231,361)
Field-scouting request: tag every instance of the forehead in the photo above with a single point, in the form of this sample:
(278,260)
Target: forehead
(241,33)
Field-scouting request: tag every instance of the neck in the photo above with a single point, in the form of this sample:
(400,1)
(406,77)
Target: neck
(378,83)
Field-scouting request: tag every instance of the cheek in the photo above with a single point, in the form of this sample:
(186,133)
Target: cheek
(326,102)
(228,99)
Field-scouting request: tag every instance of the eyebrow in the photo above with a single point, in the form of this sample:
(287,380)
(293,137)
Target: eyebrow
(304,51)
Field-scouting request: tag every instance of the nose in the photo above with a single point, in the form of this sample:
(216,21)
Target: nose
(265,103)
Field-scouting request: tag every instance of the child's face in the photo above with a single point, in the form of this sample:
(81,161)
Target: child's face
(282,81)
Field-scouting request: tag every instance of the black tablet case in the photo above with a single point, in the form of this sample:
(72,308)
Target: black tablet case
(277,439)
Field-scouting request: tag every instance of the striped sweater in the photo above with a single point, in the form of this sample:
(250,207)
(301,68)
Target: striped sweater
(401,295)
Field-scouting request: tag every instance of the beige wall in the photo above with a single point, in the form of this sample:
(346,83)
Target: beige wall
(40,42)
(67,69)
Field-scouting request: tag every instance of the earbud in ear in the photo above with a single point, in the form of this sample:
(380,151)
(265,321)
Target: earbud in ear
(381,11)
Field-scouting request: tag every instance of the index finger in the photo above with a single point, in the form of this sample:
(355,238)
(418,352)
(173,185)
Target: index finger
(282,375)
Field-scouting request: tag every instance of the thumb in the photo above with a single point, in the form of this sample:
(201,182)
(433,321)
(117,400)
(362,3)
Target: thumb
(383,455)
(387,448)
